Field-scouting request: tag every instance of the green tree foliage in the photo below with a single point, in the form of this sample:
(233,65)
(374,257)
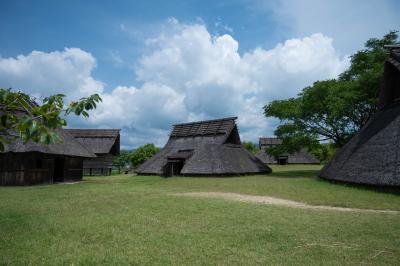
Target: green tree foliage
(123,160)
(250,146)
(334,109)
(141,154)
(324,152)
(22,117)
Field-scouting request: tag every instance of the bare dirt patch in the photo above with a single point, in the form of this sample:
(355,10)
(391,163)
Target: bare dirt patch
(275,201)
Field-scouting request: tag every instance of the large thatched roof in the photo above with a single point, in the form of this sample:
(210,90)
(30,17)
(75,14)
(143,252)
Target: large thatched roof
(68,147)
(373,155)
(98,141)
(210,147)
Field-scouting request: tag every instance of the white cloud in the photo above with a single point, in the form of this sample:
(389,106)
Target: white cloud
(144,113)
(188,74)
(217,81)
(151,106)
(41,73)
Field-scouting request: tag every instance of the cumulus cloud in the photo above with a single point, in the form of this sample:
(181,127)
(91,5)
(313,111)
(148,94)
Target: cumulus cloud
(188,74)
(145,114)
(217,81)
(39,73)
(151,106)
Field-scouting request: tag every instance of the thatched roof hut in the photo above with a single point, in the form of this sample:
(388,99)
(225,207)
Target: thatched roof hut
(300,157)
(105,143)
(210,147)
(32,163)
(373,155)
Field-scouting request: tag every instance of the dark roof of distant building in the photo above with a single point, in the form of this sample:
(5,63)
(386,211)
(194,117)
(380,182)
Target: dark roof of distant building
(99,141)
(270,141)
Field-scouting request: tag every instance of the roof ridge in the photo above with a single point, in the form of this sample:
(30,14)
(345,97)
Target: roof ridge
(207,121)
(220,126)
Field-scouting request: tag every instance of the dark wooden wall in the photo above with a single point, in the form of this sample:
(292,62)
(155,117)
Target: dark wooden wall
(25,169)
(101,165)
(36,168)
(74,169)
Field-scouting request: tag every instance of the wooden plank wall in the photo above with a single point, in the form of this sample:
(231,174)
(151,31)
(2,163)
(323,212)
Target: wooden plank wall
(101,165)
(36,168)
(25,169)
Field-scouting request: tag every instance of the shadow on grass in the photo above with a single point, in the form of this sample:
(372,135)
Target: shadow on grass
(382,189)
(296,173)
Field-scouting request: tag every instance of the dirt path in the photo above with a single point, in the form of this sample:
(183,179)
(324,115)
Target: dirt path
(275,201)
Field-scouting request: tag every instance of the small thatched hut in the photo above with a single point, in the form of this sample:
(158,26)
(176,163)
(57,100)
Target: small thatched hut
(301,157)
(372,156)
(210,147)
(31,163)
(105,143)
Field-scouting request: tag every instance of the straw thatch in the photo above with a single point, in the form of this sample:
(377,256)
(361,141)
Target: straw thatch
(67,147)
(105,143)
(372,156)
(300,157)
(210,147)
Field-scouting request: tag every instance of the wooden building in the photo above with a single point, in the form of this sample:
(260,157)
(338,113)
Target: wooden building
(31,163)
(206,148)
(372,156)
(105,143)
(301,157)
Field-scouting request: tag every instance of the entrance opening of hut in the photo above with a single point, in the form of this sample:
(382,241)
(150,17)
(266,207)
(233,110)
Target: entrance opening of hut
(58,170)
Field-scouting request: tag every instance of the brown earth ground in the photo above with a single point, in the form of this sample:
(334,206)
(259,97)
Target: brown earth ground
(274,201)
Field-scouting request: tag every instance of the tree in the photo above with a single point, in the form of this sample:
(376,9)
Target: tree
(141,154)
(324,152)
(250,146)
(24,118)
(333,110)
(123,160)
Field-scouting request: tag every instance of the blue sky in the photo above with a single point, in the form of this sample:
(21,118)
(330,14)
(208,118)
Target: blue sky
(118,28)
(161,62)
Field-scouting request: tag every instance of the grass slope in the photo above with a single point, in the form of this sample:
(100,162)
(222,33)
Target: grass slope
(133,220)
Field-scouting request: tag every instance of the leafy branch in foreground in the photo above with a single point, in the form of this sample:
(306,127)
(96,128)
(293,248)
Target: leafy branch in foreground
(21,117)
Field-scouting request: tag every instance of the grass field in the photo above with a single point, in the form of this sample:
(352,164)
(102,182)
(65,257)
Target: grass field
(125,220)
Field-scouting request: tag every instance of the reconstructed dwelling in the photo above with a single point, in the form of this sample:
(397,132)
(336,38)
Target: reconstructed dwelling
(372,156)
(31,163)
(301,157)
(105,143)
(204,148)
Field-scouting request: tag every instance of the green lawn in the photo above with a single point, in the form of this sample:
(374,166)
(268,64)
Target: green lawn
(123,220)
